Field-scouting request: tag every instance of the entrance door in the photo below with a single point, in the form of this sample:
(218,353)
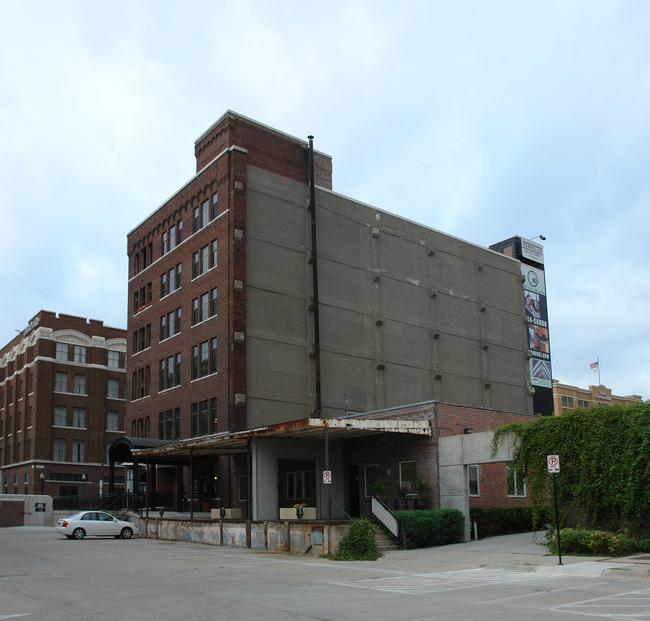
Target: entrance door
(353,487)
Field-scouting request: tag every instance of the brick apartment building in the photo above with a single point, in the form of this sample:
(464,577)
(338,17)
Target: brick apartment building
(62,382)
(258,296)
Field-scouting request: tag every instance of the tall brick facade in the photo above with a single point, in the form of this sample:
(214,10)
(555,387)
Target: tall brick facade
(222,305)
(61,395)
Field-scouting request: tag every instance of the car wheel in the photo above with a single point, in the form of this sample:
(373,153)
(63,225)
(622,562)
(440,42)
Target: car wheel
(126,533)
(78,533)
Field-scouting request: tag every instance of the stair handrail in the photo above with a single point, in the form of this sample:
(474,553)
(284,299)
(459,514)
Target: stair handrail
(387,518)
(341,508)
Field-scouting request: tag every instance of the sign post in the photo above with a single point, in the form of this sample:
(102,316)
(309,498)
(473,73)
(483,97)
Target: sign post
(553,462)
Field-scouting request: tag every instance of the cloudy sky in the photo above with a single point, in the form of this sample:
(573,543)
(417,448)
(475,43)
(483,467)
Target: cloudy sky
(481,119)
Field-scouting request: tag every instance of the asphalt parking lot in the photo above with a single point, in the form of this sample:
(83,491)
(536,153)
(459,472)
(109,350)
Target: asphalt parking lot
(46,576)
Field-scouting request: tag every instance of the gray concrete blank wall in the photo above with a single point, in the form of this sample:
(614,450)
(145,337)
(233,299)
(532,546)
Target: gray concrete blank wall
(407,313)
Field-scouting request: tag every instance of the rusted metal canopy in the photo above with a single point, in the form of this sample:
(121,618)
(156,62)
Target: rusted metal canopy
(305,429)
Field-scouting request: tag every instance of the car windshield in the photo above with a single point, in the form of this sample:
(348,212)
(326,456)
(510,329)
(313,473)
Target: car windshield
(74,517)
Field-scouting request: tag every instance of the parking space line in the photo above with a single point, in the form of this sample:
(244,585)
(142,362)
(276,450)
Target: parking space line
(629,606)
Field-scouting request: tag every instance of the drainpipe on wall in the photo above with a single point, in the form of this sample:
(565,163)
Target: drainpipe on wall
(314,269)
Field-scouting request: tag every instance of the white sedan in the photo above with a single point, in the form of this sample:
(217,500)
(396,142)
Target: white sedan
(95,524)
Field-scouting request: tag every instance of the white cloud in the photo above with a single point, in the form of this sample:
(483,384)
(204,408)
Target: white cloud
(482,120)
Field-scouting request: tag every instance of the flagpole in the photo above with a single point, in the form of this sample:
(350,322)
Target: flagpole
(598,363)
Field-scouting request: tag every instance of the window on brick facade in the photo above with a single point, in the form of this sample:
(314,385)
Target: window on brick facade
(171,237)
(79,417)
(61,351)
(407,478)
(204,259)
(169,372)
(516,482)
(370,478)
(169,424)
(196,219)
(142,297)
(78,451)
(195,264)
(170,324)
(61,382)
(204,417)
(141,338)
(204,306)
(112,421)
(205,212)
(170,280)
(80,354)
(213,302)
(113,359)
(195,311)
(140,381)
(143,258)
(140,427)
(473,488)
(79,384)
(163,327)
(567,401)
(204,359)
(215,206)
(60,416)
(58,449)
(204,302)
(113,388)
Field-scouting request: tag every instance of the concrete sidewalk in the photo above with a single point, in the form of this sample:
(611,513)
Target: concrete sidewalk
(521,552)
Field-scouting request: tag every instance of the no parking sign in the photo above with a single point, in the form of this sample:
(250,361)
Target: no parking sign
(553,462)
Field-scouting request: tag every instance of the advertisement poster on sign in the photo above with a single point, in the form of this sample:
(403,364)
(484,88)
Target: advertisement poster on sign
(537,318)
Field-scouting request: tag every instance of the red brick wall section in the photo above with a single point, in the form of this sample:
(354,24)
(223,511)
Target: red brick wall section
(493,491)
(267,148)
(12,513)
(448,420)
(454,419)
(387,451)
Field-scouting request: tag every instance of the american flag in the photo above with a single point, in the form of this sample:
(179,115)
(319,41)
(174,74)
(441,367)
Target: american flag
(594,366)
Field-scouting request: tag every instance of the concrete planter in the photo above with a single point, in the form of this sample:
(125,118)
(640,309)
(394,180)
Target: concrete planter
(231,514)
(289,513)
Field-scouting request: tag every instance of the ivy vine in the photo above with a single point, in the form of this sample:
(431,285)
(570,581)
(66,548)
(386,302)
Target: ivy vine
(604,452)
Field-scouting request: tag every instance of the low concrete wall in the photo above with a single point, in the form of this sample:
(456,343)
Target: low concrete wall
(36,510)
(313,538)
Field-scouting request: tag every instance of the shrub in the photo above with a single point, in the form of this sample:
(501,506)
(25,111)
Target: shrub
(582,540)
(358,544)
(509,520)
(423,529)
